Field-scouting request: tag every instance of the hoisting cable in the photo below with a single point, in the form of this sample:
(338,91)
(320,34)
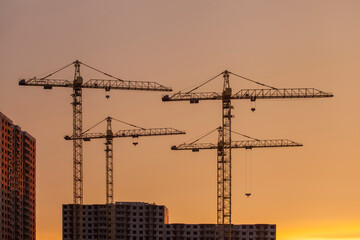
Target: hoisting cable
(248,79)
(101,72)
(94,126)
(207,81)
(245,136)
(248,172)
(132,125)
(56,71)
(205,135)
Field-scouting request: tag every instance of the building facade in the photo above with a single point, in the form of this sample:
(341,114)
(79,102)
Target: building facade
(17,193)
(143,221)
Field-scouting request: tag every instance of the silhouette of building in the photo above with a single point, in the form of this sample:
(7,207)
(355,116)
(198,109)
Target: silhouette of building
(144,221)
(17,193)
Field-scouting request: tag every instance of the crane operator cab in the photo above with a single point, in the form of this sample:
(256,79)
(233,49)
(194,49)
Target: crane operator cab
(78,81)
(227,93)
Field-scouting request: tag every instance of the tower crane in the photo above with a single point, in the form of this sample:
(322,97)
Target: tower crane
(224,174)
(225,144)
(77,84)
(109,136)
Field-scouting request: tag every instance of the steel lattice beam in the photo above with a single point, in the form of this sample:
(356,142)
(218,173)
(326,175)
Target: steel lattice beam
(109,180)
(98,83)
(130,133)
(247,144)
(224,165)
(109,163)
(77,154)
(251,93)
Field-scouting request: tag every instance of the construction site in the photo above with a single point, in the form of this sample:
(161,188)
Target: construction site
(179,120)
(83,221)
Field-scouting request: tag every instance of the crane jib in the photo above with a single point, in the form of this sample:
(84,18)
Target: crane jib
(250,94)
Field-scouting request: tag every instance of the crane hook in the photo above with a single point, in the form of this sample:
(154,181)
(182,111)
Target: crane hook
(253,104)
(107,89)
(135,141)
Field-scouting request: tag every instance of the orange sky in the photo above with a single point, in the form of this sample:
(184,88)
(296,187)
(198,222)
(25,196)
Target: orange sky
(311,192)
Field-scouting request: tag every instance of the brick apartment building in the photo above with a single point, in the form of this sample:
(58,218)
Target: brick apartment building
(143,221)
(17,192)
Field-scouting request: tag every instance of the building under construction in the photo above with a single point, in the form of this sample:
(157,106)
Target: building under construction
(144,221)
(17,192)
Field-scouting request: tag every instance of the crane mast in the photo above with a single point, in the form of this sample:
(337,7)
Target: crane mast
(109,179)
(225,143)
(224,163)
(247,144)
(77,153)
(109,162)
(77,85)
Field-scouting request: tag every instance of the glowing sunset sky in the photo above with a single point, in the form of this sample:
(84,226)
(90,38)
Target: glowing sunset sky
(311,193)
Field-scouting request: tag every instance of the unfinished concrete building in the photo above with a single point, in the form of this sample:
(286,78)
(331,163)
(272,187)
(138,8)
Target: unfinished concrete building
(144,221)
(17,192)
